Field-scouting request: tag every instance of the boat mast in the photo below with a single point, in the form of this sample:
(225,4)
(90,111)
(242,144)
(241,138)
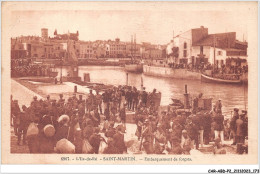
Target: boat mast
(131,48)
(214,55)
(135,46)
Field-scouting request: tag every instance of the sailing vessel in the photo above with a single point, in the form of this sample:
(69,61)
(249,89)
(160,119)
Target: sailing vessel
(214,79)
(134,66)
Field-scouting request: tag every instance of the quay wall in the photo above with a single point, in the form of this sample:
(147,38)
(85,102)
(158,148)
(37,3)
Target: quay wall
(171,73)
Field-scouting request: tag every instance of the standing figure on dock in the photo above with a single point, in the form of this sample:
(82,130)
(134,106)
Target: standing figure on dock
(61,100)
(240,132)
(122,114)
(219,127)
(15,111)
(24,123)
(218,107)
(105,97)
(233,125)
(144,96)
(99,101)
(135,99)
(186,142)
(119,141)
(129,98)
(147,135)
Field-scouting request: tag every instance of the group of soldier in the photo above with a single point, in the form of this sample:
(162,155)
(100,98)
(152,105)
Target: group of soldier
(88,118)
(93,119)
(178,132)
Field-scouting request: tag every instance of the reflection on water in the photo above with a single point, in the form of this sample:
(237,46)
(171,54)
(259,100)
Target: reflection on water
(231,95)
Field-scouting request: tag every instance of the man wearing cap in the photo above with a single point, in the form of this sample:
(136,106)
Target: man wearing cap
(218,107)
(35,108)
(24,123)
(61,101)
(233,125)
(144,97)
(219,127)
(240,129)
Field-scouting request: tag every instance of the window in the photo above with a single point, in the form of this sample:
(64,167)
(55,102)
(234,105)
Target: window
(219,53)
(185,45)
(184,53)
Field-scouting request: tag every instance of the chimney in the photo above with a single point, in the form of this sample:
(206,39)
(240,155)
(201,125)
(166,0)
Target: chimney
(202,26)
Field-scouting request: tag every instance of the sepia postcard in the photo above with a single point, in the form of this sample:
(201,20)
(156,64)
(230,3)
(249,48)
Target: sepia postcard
(129,82)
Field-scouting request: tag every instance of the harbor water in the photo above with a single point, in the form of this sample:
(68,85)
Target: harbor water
(230,95)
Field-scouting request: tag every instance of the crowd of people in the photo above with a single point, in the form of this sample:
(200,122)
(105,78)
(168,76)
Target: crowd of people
(97,124)
(180,132)
(78,118)
(227,72)
(24,68)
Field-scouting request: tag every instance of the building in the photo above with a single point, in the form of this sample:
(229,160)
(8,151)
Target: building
(115,49)
(45,35)
(196,46)
(150,51)
(86,50)
(66,36)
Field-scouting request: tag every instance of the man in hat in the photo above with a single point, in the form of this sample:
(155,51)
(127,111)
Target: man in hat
(218,107)
(61,100)
(186,142)
(15,111)
(219,127)
(95,139)
(24,123)
(233,125)
(148,137)
(240,129)
(91,100)
(144,96)
(119,141)
(111,130)
(99,101)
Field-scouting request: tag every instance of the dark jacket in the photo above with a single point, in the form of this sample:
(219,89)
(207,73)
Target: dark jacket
(119,142)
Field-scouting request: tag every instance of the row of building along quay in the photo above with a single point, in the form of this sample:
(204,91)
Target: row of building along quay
(194,46)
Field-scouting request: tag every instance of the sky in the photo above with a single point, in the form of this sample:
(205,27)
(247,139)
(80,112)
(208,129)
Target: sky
(149,26)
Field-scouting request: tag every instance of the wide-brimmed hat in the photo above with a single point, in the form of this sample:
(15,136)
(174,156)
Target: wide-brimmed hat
(65,118)
(49,130)
(183,131)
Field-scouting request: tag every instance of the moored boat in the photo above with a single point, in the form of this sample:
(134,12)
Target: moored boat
(208,79)
(137,68)
(167,72)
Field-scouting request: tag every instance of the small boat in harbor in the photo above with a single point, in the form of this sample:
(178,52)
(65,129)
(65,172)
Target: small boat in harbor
(137,68)
(208,79)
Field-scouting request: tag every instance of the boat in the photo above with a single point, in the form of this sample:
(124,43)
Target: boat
(167,72)
(137,68)
(208,79)
(214,79)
